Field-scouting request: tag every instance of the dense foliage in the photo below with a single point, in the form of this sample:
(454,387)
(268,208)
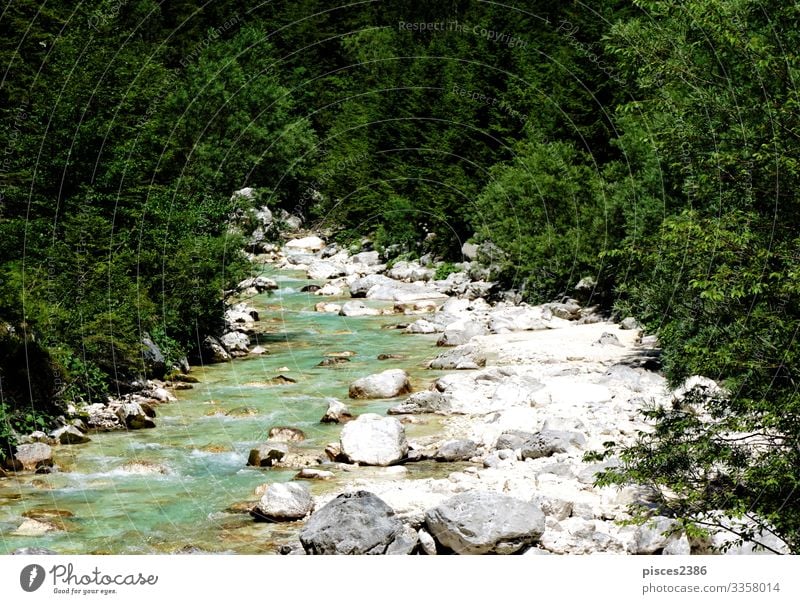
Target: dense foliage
(649,144)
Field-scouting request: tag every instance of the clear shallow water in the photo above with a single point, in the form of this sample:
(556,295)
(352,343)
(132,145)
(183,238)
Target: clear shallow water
(203,447)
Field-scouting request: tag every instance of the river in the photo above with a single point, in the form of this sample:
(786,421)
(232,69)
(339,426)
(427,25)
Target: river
(100,507)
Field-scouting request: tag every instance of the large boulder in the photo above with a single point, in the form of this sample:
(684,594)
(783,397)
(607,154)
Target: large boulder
(236,343)
(354,524)
(456,450)
(284,501)
(306,244)
(320,269)
(135,417)
(337,413)
(548,442)
(69,435)
(461,332)
(360,287)
(34,456)
(481,522)
(466,356)
(267,455)
(374,440)
(213,351)
(153,358)
(387,384)
(427,401)
(367,258)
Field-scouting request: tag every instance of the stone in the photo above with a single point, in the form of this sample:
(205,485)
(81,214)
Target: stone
(333,361)
(330,289)
(33,551)
(483,522)
(284,501)
(134,417)
(360,287)
(467,356)
(34,528)
(456,450)
(513,439)
(314,474)
(352,524)
(423,326)
(102,418)
(569,311)
(312,243)
(387,384)
(461,332)
(356,308)
(374,440)
(34,456)
(267,455)
(469,251)
(285,434)
(654,535)
(236,343)
(337,413)
(259,283)
(153,358)
(213,351)
(70,435)
(162,395)
(426,543)
(368,258)
(329,307)
(548,442)
(629,323)
(323,270)
(608,339)
(404,544)
(427,401)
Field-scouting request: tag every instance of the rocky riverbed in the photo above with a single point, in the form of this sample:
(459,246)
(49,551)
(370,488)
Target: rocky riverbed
(465,432)
(533,389)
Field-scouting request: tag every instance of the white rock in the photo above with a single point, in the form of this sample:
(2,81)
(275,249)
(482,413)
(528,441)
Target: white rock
(356,308)
(312,243)
(285,501)
(374,440)
(387,384)
(321,269)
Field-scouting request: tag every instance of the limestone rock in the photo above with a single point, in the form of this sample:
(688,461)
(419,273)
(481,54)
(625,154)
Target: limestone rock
(374,440)
(482,522)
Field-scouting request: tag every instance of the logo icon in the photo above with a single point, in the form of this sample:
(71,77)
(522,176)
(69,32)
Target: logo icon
(31,577)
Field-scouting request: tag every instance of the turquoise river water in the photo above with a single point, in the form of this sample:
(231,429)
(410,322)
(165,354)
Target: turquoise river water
(98,507)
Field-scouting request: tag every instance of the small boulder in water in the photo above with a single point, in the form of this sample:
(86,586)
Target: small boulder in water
(70,435)
(144,468)
(267,455)
(337,412)
(286,434)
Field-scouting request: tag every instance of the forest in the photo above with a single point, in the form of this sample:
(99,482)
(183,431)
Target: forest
(650,145)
